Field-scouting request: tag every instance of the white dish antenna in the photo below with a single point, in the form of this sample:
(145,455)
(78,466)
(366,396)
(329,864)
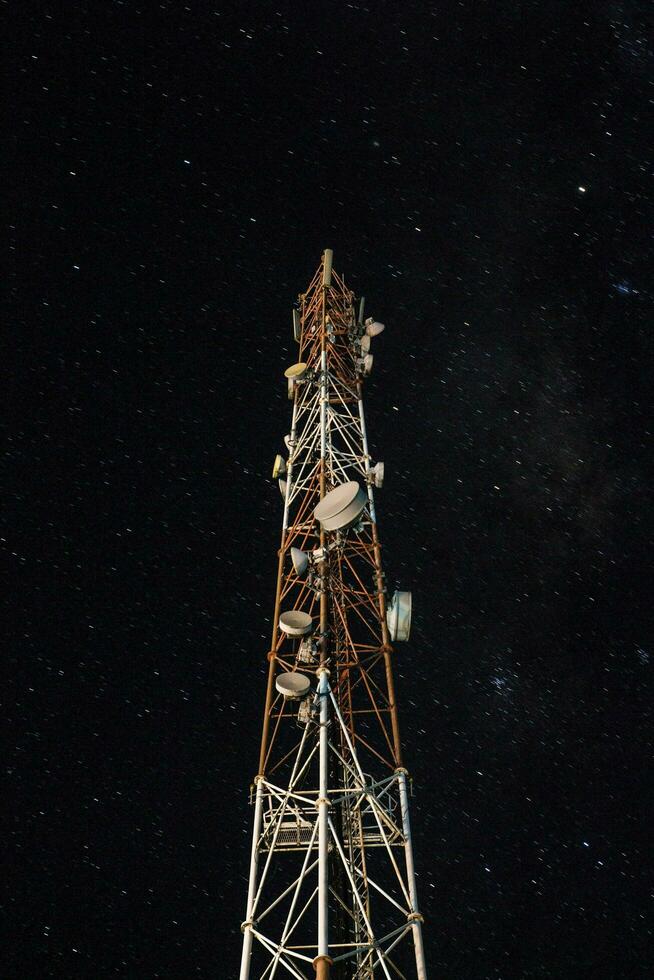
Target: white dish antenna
(365,344)
(373,328)
(398,616)
(279,467)
(282,487)
(341,507)
(290,389)
(300,561)
(295,623)
(296,371)
(293,685)
(376,475)
(366,364)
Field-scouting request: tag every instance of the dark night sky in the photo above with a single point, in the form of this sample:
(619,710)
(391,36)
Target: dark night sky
(482,172)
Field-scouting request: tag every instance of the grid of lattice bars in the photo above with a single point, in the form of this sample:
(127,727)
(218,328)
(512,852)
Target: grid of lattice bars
(372,910)
(357,648)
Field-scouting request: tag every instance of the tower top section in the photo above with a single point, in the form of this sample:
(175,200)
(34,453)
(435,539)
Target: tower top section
(328,317)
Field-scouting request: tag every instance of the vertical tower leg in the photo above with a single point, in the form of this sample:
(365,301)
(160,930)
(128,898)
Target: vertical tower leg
(415,917)
(323,961)
(254,860)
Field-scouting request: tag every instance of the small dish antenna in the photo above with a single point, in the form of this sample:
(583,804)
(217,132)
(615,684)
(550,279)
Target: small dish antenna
(295,623)
(279,467)
(341,507)
(373,328)
(366,364)
(376,475)
(365,344)
(398,616)
(282,487)
(296,371)
(293,685)
(300,561)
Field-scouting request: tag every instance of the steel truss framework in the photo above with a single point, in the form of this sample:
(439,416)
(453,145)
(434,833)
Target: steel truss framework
(332,886)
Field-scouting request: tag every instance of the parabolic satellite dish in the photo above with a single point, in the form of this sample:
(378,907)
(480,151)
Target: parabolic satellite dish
(295,623)
(341,507)
(296,371)
(300,561)
(398,616)
(373,328)
(293,684)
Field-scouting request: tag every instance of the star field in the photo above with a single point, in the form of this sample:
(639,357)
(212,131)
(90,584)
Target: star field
(483,174)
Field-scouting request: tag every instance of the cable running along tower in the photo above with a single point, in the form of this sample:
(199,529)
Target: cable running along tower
(332,891)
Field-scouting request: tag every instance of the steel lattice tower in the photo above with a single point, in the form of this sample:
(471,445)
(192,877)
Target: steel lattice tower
(332,889)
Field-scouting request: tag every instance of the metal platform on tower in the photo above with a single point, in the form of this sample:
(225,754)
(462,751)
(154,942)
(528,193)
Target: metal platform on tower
(332,889)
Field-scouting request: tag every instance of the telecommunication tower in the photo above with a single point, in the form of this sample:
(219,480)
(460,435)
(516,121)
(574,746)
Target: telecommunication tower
(332,890)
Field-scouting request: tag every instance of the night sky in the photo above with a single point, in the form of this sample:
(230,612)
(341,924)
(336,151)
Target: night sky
(482,172)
